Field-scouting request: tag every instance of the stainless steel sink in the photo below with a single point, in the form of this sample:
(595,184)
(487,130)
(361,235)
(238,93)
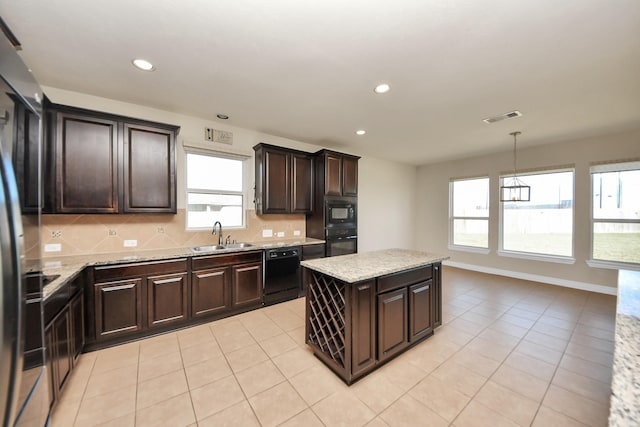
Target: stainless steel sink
(239,245)
(207,248)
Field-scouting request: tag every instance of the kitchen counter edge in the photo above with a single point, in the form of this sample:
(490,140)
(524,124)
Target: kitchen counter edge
(68,267)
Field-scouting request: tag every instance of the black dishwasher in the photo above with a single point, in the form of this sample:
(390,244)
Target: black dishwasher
(282,274)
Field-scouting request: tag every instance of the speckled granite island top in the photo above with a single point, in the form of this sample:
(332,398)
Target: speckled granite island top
(364,266)
(625,385)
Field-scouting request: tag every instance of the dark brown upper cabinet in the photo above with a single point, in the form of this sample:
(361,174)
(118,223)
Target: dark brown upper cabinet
(26,156)
(284,180)
(103,163)
(149,169)
(86,164)
(337,174)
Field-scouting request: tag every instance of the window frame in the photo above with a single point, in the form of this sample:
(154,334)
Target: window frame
(535,256)
(453,218)
(616,166)
(243,193)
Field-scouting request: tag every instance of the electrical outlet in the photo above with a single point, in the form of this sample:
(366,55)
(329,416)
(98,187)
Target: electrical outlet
(130,243)
(208,134)
(280,234)
(112,233)
(56,234)
(267,233)
(296,232)
(53,247)
(161,230)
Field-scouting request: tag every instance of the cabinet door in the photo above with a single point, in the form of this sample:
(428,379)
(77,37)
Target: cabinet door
(86,164)
(246,285)
(277,182)
(333,175)
(392,323)
(349,176)
(76,311)
(420,310)
(149,169)
(62,347)
(363,338)
(210,291)
(437,295)
(302,184)
(49,340)
(167,299)
(118,308)
(26,156)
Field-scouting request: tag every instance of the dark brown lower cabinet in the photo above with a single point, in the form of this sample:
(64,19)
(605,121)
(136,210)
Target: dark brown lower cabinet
(420,310)
(247,285)
(210,291)
(363,353)
(118,307)
(64,338)
(138,299)
(356,327)
(167,299)
(392,323)
(226,283)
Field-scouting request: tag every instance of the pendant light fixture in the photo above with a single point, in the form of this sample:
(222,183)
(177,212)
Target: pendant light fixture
(512,189)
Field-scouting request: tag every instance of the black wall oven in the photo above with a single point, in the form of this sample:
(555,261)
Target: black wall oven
(341,241)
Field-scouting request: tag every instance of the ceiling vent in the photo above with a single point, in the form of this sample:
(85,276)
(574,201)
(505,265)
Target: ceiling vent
(509,115)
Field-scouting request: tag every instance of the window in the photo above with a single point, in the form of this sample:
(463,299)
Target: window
(469,213)
(543,225)
(214,190)
(616,212)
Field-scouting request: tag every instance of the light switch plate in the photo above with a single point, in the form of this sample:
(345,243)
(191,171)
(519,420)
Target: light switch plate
(130,243)
(267,233)
(53,247)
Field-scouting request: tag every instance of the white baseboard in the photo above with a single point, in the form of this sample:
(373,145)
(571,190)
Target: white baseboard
(592,287)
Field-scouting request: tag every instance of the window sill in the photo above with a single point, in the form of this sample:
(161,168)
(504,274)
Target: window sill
(613,265)
(538,257)
(471,249)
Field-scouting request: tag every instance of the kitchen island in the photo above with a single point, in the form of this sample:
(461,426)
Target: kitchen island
(364,309)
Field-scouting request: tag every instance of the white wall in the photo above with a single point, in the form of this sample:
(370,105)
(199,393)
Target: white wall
(433,196)
(386,189)
(386,205)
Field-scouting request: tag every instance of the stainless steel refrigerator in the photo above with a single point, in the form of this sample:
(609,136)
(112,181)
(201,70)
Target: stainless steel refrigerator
(24,393)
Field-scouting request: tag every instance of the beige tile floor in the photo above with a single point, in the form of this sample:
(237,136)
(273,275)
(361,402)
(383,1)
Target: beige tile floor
(510,353)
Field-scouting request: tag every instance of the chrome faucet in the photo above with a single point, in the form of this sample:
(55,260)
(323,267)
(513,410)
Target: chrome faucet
(214,232)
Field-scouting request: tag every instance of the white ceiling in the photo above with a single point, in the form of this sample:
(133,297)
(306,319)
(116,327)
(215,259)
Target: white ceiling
(305,70)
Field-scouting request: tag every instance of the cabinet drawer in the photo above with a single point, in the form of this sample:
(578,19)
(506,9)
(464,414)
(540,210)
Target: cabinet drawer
(213,261)
(101,274)
(405,278)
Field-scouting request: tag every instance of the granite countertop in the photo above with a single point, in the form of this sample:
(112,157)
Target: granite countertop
(364,266)
(68,267)
(625,397)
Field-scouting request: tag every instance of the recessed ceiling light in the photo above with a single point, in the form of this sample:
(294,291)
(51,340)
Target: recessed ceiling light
(142,64)
(222,116)
(361,132)
(382,88)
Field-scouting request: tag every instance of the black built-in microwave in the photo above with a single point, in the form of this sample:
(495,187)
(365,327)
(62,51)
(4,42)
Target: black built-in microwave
(340,212)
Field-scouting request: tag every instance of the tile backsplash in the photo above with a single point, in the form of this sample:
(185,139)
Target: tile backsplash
(87,234)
